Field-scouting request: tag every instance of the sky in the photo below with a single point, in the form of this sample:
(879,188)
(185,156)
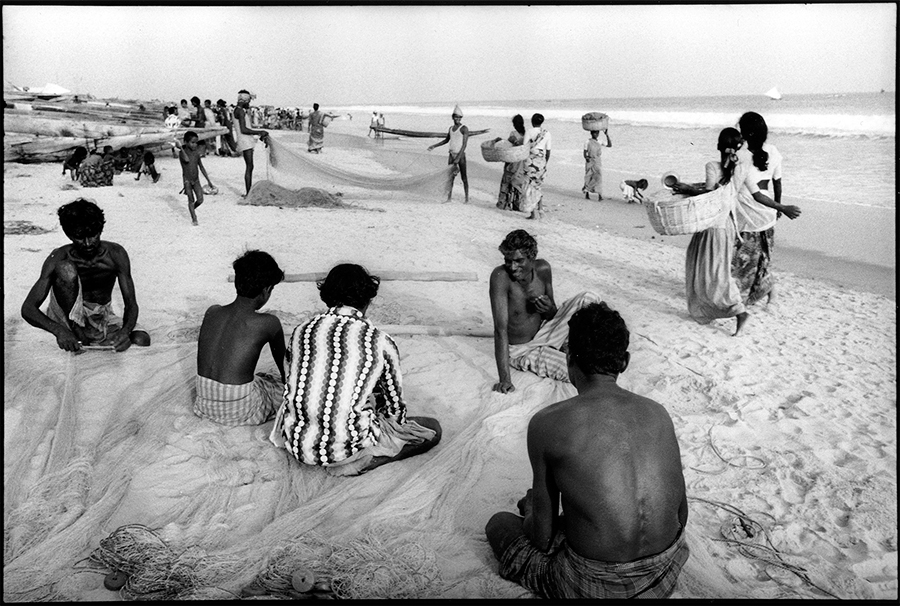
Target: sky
(348,55)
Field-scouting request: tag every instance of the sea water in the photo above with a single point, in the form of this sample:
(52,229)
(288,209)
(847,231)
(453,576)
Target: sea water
(838,149)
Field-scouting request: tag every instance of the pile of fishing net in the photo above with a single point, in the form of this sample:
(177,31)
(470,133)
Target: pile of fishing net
(266,193)
(141,565)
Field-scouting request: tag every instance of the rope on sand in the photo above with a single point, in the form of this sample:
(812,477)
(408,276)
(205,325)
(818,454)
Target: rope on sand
(746,533)
(729,462)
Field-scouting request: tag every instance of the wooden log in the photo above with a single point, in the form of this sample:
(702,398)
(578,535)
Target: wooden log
(387,275)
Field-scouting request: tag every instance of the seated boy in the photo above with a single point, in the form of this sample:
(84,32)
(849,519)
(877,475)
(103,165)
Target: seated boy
(631,189)
(231,339)
(343,405)
(74,161)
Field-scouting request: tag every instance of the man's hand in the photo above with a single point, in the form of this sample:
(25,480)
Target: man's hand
(524,504)
(504,386)
(67,340)
(119,339)
(543,304)
(792,212)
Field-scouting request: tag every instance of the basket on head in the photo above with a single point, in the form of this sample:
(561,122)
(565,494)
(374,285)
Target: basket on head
(676,215)
(594,121)
(503,151)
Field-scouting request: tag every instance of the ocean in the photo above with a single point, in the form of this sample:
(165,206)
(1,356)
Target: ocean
(839,152)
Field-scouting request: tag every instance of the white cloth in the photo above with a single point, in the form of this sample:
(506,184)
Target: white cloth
(532,133)
(752,216)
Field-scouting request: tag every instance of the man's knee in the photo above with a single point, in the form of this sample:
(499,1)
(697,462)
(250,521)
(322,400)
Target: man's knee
(432,424)
(140,338)
(502,529)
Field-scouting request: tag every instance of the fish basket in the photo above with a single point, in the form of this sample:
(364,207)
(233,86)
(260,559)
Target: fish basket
(676,215)
(326,120)
(595,121)
(503,151)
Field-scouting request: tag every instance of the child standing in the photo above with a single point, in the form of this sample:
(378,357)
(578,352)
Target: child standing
(191,161)
(593,177)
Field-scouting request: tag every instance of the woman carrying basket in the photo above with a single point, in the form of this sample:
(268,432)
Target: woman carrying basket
(513,181)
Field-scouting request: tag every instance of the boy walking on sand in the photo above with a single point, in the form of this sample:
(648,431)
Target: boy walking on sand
(231,339)
(191,160)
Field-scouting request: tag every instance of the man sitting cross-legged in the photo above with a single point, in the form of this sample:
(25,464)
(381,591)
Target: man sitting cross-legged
(231,339)
(343,405)
(79,279)
(612,458)
(530,332)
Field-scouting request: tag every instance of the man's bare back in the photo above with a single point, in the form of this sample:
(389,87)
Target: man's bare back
(231,339)
(614,458)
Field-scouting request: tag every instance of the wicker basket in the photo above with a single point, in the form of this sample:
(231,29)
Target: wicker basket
(676,215)
(503,151)
(595,121)
(326,120)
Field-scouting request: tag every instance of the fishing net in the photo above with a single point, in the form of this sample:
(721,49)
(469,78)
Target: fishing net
(368,172)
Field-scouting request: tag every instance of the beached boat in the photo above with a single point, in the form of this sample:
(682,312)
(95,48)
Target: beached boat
(422,134)
(773,94)
(66,126)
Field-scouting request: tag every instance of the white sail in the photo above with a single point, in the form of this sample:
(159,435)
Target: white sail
(774,94)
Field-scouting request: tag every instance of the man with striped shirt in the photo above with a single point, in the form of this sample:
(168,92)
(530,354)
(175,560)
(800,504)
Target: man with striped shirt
(343,406)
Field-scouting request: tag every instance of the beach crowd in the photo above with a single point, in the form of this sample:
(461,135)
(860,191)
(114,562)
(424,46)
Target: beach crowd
(337,400)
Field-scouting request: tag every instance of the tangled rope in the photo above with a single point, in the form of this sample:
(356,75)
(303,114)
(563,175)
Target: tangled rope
(748,535)
(729,462)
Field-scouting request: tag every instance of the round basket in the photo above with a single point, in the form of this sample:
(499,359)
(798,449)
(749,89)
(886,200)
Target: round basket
(676,215)
(326,120)
(503,151)
(595,121)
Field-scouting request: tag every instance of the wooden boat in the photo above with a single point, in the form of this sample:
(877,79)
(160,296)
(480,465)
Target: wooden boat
(423,134)
(66,126)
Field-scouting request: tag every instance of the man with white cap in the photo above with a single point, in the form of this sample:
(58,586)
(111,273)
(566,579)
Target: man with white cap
(457,136)
(244,136)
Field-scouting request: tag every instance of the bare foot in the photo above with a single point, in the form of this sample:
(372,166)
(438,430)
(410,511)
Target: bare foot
(599,197)
(194,223)
(741,320)
(466,200)
(587,196)
(771,298)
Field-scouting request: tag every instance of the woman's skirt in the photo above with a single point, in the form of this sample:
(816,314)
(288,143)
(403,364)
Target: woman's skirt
(710,289)
(511,186)
(750,265)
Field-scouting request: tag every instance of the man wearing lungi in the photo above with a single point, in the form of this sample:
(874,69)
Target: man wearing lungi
(530,332)
(231,338)
(79,279)
(612,458)
(343,406)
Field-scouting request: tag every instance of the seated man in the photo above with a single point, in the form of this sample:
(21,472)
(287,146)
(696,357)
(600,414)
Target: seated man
(79,278)
(613,459)
(530,332)
(343,405)
(231,339)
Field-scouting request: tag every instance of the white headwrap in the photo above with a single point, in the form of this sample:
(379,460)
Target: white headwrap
(457,111)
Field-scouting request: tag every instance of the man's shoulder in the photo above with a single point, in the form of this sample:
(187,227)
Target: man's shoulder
(542,265)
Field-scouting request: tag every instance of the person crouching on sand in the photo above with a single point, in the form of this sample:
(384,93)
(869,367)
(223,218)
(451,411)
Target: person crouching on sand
(231,339)
(79,278)
(458,137)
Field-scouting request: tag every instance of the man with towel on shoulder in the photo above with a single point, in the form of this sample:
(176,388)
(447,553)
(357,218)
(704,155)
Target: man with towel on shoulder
(244,136)
(79,278)
(612,458)
(530,332)
(343,406)
(457,136)
(231,338)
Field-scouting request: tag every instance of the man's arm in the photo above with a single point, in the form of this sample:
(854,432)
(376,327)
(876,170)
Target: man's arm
(500,311)
(465,134)
(445,141)
(393,381)
(540,522)
(608,140)
(242,124)
(276,345)
(122,339)
(545,306)
(32,313)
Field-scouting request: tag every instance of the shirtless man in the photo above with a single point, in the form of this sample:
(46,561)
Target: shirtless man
(244,136)
(79,278)
(530,332)
(231,339)
(613,459)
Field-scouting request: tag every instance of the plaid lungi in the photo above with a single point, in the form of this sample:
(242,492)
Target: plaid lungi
(251,403)
(562,573)
(543,355)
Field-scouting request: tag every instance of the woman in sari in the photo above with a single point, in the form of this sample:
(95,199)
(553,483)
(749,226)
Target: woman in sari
(513,181)
(756,219)
(538,140)
(316,130)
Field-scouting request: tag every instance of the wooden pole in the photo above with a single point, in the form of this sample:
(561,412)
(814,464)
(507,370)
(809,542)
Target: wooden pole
(436,331)
(414,276)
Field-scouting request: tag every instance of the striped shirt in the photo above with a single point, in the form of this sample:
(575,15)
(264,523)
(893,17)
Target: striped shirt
(342,372)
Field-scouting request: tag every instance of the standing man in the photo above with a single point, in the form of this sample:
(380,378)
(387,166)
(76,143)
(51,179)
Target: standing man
(530,332)
(244,136)
(457,136)
(79,278)
(612,458)
(593,176)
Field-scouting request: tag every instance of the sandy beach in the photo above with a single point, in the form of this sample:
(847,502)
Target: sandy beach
(793,423)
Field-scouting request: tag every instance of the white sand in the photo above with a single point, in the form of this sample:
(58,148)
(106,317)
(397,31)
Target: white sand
(802,405)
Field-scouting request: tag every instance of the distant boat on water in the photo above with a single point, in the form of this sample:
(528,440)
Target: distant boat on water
(773,94)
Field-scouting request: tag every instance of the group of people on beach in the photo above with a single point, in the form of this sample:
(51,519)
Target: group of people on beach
(338,402)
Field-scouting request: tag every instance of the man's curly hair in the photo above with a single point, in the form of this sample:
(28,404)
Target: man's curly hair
(348,284)
(598,340)
(519,239)
(254,271)
(81,218)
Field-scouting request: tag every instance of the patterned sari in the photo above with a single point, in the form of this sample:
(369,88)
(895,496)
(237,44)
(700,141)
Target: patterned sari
(316,131)
(535,171)
(751,262)
(513,182)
